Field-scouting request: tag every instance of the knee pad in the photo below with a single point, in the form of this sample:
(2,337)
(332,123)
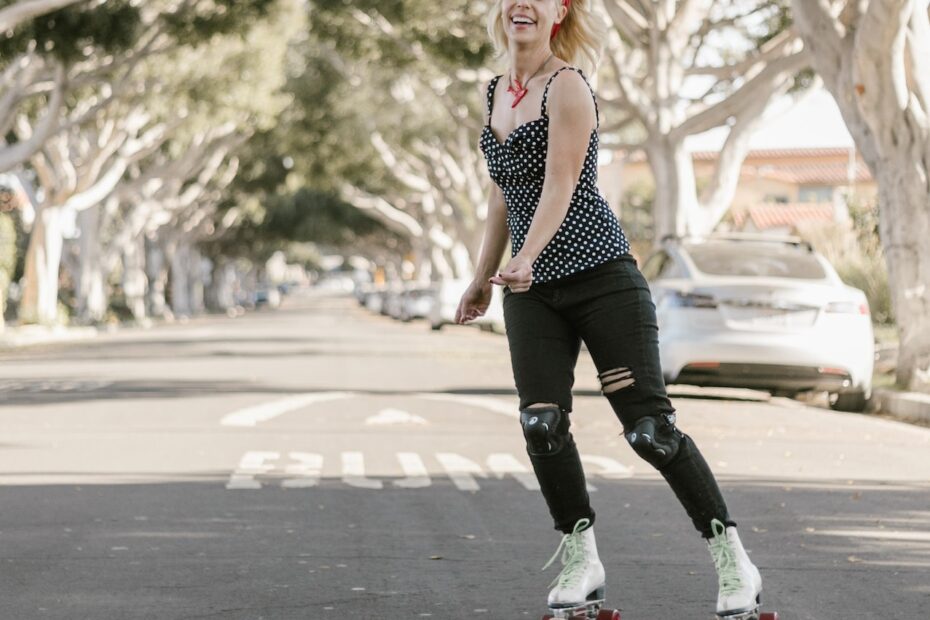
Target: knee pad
(656,439)
(543,429)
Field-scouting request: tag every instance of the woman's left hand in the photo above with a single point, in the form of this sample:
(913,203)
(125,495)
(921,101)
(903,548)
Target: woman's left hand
(518,275)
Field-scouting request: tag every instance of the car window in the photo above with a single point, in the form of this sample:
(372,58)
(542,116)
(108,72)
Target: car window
(767,260)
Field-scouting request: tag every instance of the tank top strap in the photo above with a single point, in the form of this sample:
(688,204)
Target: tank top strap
(492,85)
(545,99)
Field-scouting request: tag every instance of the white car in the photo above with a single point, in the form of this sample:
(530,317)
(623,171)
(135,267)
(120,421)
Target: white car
(758,312)
(449,294)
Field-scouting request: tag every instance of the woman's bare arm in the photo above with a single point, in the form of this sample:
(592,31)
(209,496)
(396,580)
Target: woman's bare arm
(496,236)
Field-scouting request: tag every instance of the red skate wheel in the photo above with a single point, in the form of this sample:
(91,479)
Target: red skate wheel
(608,614)
(771,615)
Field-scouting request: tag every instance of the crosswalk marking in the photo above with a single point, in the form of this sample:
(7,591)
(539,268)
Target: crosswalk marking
(353,472)
(415,471)
(508,465)
(303,470)
(306,471)
(461,471)
(609,468)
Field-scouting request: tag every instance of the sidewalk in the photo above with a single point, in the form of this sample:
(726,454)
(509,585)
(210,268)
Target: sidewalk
(28,335)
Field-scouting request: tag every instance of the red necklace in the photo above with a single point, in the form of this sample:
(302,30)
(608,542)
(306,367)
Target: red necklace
(517,89)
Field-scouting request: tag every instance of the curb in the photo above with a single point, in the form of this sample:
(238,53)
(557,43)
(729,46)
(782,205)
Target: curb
(16,337)
(904,405)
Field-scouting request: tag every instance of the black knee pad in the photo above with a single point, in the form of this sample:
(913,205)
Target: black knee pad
(545,429)
(656,439)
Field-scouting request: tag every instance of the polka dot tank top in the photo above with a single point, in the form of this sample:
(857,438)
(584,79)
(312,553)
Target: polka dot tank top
(590,234)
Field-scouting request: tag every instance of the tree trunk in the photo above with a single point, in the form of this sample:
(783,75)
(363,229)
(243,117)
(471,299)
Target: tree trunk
(180,260)
(198,276)
(675,195)
(92,296)
(156,271)
(905,224)
(43,258)
(134,277)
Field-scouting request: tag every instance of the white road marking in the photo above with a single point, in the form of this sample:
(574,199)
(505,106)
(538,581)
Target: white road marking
(306,471)
(394,416)
(251,465)
(461,470)
(484,402)
(415,471)
(353,472)
(250,416)
(609,468)
(508,465)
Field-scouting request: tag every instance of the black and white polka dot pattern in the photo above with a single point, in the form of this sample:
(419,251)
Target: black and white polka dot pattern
(589,235)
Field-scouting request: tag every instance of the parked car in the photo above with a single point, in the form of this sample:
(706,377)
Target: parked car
(449,293)
(762,313)
(417,302)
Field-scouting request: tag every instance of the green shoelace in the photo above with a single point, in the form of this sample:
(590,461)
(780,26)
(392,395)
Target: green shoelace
(573,560)
(724,559)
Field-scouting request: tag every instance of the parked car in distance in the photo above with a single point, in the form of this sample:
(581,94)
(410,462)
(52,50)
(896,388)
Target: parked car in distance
(449,294)
(417,302)
(267,296)
(760,312)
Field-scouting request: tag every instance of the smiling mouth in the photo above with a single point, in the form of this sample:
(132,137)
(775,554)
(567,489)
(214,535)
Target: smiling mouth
(522,21)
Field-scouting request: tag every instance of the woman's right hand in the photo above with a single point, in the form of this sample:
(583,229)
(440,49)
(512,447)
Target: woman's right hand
(474,303)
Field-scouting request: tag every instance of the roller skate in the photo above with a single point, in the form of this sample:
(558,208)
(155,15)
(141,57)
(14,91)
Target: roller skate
(579,590)
(740,596)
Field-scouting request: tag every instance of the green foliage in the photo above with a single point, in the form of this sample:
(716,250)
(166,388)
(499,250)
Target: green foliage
(636,213)
(856,253)
(196,22)
(70,33)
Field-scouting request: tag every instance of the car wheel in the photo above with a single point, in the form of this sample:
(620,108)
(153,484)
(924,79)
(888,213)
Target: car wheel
(848,401)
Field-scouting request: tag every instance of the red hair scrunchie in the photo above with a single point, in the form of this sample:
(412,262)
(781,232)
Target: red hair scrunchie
(555,27)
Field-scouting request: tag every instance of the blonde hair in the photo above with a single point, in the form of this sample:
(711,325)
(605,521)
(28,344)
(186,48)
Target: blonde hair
(578,42)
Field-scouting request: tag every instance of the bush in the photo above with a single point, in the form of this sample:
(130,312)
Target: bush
(855,250)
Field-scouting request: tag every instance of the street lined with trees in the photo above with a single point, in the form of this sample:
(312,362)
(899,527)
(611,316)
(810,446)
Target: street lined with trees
(168,148)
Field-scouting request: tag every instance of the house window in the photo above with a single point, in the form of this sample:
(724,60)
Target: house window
(815,193)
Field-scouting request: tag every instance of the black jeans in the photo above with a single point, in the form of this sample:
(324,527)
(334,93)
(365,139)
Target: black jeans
(610,309)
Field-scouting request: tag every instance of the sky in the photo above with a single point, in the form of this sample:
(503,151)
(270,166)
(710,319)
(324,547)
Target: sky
(813,122)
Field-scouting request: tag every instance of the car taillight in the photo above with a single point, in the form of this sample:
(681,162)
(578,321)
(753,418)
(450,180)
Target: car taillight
(848,307)
(692,300)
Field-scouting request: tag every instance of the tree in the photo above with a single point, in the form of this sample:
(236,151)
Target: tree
(16,13)
(874,57)
(677,69)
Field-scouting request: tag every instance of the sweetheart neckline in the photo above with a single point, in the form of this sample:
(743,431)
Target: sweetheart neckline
(515,130)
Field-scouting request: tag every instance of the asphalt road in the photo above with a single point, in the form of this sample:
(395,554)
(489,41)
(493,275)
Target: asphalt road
(322,462)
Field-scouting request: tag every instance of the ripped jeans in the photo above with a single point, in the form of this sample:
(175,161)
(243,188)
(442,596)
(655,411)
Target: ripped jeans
(610,309)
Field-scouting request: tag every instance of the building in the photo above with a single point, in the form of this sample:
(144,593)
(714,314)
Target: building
(777,187)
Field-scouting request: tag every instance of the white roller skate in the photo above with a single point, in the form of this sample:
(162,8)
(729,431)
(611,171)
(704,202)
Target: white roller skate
(580,587)
(740,581)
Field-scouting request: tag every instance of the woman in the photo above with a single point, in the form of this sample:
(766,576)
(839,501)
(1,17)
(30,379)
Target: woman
(571,279)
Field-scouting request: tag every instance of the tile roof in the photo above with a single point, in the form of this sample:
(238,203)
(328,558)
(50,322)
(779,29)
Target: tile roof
(781,215)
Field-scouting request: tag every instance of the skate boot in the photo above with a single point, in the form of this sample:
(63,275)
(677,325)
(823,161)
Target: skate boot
(740,581)
(580,585)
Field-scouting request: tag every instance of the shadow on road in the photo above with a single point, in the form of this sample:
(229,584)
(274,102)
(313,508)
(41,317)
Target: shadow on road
(180,549)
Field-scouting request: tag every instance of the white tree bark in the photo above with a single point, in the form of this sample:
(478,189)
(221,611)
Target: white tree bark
(91,289)
(873,57)
(657,53)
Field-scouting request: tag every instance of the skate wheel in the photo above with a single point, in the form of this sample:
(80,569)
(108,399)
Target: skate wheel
(608,614)
(771,615)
